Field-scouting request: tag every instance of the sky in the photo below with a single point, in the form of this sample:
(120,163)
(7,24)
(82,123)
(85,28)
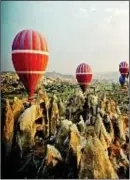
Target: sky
(93,32)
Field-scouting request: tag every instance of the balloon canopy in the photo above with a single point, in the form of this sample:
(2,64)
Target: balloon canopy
(124,68)
(122,80)
(30,58)
(84,76)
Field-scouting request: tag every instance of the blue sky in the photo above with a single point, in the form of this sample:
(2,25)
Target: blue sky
(82,31)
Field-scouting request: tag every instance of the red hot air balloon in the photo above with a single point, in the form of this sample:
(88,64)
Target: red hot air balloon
(84,76)
(30,58)
(124,68)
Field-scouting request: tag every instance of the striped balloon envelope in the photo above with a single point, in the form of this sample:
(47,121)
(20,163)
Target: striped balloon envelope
(84,76)
(124,68)
(30,58)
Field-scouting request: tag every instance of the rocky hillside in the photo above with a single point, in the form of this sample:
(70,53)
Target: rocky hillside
(64,134)
(76,137)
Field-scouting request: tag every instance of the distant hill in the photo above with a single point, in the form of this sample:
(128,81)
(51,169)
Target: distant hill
(107,76)
(57,75)
(102,76)
(61,76)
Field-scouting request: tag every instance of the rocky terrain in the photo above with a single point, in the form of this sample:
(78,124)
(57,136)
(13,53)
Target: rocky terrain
(64,134)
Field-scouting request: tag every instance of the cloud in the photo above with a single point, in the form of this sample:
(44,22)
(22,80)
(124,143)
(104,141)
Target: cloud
(119,12)
(92,9)
(108,10)
(81,13)
(108,19)
(83,10)
(115,12)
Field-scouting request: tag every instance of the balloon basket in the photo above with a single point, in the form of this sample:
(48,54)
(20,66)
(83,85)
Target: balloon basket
(31,100)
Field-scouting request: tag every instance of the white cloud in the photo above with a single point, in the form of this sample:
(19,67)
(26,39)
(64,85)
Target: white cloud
(115,12)
(92,9)
(108,10)
(119,12)
(82,14)
(108,19)
(83,10)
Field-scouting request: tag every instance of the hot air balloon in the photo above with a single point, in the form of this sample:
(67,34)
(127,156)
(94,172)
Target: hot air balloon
(122,80)
(30,58)
(84,76)
(124,68)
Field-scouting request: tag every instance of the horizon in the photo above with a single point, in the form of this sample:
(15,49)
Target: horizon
(93,32)
(13,71)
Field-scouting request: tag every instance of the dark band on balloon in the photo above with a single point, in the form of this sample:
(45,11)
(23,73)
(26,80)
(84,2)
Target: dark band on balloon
(30,39)
(15,41)
(22,39)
